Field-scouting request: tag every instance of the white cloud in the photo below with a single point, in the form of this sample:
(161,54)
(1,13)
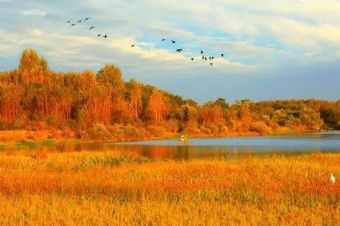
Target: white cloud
(8,43)
(34,12)
(261,39)
(296,23)
(243,29)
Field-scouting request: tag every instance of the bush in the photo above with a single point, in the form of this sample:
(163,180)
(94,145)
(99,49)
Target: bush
(261,128)
(99,132)
(331,117)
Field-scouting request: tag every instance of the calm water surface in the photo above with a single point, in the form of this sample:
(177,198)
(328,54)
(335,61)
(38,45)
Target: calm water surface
(223,147)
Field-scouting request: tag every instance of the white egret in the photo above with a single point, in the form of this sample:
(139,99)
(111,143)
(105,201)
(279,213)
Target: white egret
(332,178)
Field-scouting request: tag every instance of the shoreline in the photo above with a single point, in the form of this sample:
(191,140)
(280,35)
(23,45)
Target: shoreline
(7,141)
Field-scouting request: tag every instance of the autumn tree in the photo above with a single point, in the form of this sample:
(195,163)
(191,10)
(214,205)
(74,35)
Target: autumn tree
(135,97)
(211,113)
(32,68)
(87,95)
(157,107)
(221,102)
(331,116)
(110,78)
(33,95)
(10,97)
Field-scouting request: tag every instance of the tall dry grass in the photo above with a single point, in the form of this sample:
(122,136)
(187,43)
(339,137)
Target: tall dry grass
(107,188)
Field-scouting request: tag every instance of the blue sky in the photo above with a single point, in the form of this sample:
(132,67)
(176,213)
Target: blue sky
(273,49)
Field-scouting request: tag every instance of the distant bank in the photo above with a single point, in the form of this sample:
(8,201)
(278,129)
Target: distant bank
(37,103)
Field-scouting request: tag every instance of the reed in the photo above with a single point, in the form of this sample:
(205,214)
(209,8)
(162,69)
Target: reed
(108,188)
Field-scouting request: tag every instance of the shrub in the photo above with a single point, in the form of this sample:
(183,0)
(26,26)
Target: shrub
(99,132)
(261,128)
(331,117)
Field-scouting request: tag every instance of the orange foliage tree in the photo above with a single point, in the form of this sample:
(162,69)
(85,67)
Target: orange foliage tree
(157,107)
(34,95)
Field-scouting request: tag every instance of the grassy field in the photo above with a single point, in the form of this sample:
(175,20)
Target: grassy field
(105,188)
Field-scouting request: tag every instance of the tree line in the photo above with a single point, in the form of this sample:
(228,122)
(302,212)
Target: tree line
(34,97)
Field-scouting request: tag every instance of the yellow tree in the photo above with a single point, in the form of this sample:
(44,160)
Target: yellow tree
(157,107)
(135,98)
(32,69)
(211,113)
(110,77)
(10,97)
(88,95)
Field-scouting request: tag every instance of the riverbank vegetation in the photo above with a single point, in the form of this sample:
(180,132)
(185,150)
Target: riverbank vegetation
(40,104)
(107,188)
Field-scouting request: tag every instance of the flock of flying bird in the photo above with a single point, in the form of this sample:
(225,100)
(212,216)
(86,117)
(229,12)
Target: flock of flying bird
(203,56)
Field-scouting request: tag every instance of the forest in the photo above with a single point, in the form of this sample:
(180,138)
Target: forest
(104,106)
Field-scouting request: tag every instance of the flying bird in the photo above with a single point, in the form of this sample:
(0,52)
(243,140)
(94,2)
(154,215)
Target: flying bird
(92,28)
(163,39)
(79,21)
(173,41)
(105,36)
(68,21)
(133,45)
(202,52)
(99,35)
(179,50)
(211,64)
(87,18)
(222,55)
(192,59)
(73,25)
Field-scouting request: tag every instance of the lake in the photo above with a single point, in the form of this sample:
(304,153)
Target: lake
(222,147)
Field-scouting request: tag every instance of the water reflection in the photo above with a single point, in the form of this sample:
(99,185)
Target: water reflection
(215,148)
(328,141)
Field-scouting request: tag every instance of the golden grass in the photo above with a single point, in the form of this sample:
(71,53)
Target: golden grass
(106,188)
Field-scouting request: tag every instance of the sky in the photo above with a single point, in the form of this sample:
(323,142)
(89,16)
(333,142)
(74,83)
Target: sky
(273,49)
